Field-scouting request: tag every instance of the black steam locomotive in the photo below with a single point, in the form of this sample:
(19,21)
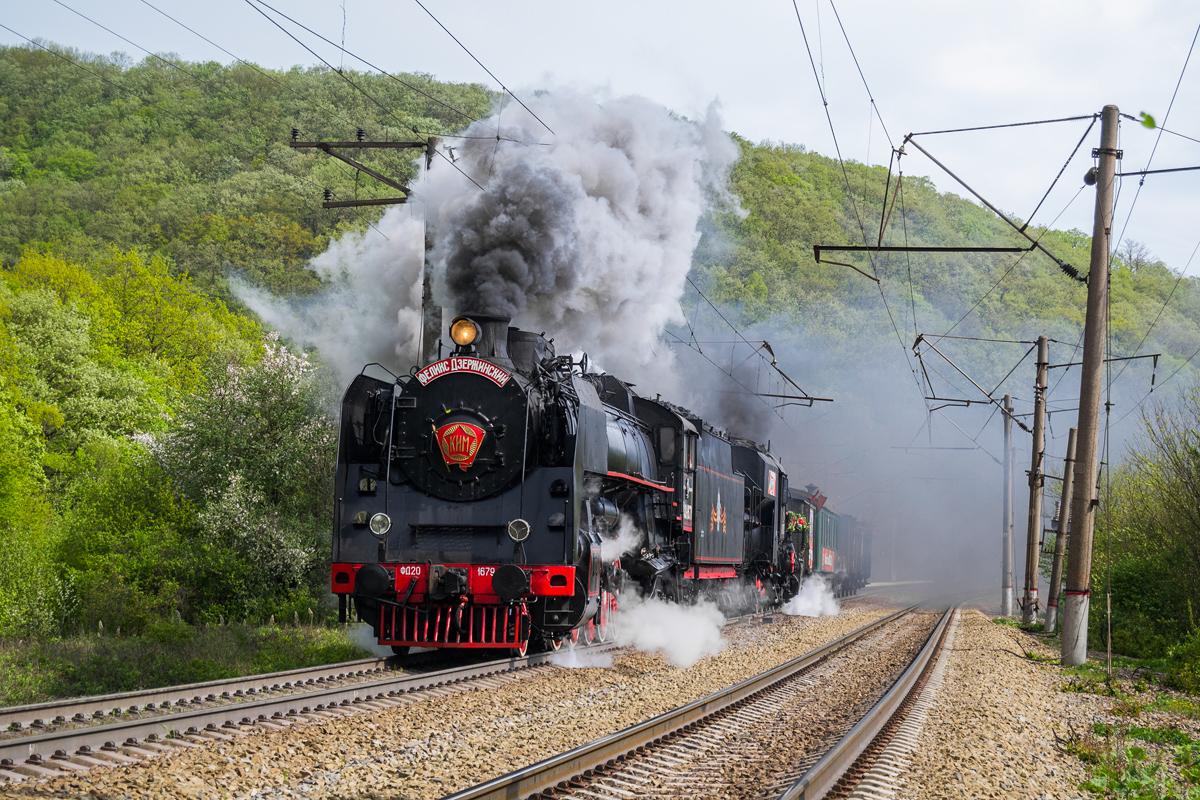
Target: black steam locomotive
(502,498)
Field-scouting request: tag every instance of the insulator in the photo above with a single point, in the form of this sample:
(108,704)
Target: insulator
(328,194)
(360,134)
(295,134)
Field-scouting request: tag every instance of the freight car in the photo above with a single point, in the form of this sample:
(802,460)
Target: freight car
(502,497)
(833,546)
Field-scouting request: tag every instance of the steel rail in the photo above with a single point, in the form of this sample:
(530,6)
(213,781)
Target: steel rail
(33,751)
(824,775)
(559,770)
(79,708)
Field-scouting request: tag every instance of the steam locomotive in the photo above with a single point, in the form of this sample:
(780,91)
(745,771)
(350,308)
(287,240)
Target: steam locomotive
(504,496)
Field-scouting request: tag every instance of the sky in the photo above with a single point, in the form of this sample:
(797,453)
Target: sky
(930,64)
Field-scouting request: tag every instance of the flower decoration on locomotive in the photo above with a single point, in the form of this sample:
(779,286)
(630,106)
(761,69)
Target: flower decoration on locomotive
(796,522)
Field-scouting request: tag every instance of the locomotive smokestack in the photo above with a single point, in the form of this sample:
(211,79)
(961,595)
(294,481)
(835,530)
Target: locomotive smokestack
(493,337)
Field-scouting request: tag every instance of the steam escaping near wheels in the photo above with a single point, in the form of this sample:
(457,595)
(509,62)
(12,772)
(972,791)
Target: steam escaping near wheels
(815,599)
(682,634)
(627,540)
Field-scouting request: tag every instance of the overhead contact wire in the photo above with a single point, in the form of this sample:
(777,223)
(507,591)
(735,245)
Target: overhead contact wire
(1015,263)
(130,42)
(1054,182)
(356,87)
(858,66)
(252,66)
(131,93)
(361,60)
(1138,192)
(1005,125)
(735,329)
(850,196)
(484,67)
(269,77)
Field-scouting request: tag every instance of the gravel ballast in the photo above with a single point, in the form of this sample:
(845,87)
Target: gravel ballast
(995,726)
(437,744)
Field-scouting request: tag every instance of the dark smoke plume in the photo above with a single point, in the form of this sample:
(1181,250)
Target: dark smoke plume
(513,242)
(588,235)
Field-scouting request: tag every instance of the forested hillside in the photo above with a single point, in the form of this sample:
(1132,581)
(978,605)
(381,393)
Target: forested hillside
(796,199)
(161,455)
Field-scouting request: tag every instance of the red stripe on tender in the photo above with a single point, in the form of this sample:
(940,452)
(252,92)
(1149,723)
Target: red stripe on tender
(716,472)
(641,481)
(706,573)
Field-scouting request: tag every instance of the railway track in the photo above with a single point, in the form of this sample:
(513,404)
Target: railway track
(711,744)
(51,739)
(57,713)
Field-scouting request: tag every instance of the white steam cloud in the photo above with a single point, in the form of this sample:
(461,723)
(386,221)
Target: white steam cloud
(361,634)
(815,599)
(626,540)
(370,306)
(681,634)
(573,658)
(588,236)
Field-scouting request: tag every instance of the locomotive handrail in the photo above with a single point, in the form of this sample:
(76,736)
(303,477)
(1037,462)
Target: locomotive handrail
(661,487)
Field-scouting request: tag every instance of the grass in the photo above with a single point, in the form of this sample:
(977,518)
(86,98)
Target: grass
(1089,678)
(1039,658)
(1088,748)
(166,654)
(1012,622)
(1165,734)
(1173,704)
(1131,772)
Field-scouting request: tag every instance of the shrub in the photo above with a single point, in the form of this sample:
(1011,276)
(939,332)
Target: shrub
(1183,664)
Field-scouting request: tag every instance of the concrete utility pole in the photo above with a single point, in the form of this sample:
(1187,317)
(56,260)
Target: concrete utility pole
(1085,497)
(1037,479)
(1006,599)
(1060,541)
(431,313)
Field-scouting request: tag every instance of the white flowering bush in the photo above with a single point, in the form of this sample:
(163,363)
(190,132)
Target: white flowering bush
(276,549)
(255,454)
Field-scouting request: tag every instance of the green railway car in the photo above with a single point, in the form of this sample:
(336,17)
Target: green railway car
(832,545)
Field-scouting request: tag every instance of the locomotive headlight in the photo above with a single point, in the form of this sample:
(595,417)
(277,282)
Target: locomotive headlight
(464,332)
(380,524)
(518,530)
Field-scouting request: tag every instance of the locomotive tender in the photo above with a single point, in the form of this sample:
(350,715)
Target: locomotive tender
(483,500)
